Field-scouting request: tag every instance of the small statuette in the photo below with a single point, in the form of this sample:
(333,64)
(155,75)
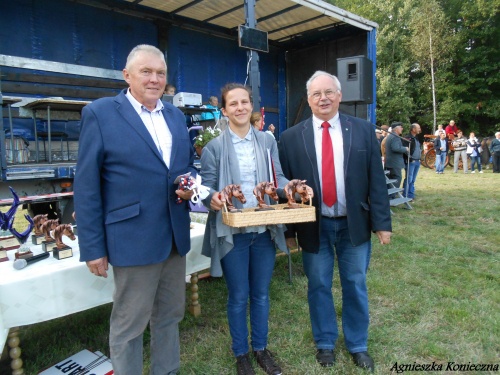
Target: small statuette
(38,236)
(260,191)
(49,243)
(298,187)
(227,194)
(61,250)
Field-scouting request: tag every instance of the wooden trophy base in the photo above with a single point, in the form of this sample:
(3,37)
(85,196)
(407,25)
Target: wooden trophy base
(37,239)
(62,253)
(3,256)
(48,245)
(23,255)
(9,243)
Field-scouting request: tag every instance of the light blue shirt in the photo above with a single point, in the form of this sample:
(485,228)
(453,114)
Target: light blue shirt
(245,153)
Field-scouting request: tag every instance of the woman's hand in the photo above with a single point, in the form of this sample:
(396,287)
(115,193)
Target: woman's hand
(216,204)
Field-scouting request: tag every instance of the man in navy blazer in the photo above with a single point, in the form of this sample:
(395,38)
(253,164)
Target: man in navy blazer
(132,148)
(344,224)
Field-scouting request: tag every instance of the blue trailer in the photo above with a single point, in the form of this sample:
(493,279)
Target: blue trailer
(58,55)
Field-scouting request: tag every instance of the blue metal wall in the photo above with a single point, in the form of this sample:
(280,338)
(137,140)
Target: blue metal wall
(62,31)
(202,63)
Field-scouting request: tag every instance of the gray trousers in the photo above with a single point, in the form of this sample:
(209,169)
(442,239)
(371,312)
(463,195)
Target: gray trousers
(458,154)
(155,294)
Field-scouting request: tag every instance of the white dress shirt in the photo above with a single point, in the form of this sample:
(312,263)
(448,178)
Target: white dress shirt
(339,208)
(156,125)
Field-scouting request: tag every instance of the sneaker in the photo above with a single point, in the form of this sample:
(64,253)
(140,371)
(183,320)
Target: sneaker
(243,365)
(474,172)
(265,360)
(480,171)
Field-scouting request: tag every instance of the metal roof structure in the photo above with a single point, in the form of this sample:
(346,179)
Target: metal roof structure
(283,20)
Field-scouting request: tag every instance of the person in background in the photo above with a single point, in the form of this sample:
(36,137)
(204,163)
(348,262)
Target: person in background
(213,104)
(256,121)
(474,151)
(128,215)
(385,130)
(495,152)
(170,89)
(378,134)
(245,256)
(451,130)
(460,147)
(394,151)
(441,147)
(413,162)
(340,157)
(439,130)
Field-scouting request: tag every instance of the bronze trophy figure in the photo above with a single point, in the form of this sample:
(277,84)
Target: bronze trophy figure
(49,243)
(61,250)
(38,236)
(261,190)
(227,194)
(298,187)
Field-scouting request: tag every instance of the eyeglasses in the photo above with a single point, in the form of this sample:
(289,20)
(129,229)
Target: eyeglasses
(328,93)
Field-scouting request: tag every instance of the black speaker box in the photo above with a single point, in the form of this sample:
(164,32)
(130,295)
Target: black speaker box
(356,78)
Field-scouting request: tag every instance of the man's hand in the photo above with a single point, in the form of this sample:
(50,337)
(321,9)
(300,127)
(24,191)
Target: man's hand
(384,237)
(98,266)
(185,194)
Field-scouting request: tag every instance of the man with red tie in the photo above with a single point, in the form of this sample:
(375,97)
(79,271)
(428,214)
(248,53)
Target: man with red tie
(339,156)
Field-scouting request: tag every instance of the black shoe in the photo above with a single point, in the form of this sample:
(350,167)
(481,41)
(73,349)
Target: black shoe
(363,360)
(325,357)
(243,365)
(265,360)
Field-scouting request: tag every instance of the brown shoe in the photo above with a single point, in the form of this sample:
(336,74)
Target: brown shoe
(265,360)
(243,365)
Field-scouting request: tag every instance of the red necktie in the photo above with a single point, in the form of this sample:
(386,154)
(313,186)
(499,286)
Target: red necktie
(328,168)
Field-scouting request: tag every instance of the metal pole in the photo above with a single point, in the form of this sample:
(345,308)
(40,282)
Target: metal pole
(253,56)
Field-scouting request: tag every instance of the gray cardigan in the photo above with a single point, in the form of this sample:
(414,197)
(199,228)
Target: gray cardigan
(219,168)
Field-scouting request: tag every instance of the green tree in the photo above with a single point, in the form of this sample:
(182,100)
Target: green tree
(474,79)
(430,43)
(465,61)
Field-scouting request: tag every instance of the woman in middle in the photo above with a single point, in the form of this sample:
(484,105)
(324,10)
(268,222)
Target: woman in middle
(242,155)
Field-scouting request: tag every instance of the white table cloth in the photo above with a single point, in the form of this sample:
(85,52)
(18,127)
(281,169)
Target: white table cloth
(54,288)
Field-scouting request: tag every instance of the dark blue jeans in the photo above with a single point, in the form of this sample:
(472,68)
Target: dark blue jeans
(248,269)
(411,177)
(353,264)
(476,160)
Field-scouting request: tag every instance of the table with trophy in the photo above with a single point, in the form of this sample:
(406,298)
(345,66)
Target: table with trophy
(42,278)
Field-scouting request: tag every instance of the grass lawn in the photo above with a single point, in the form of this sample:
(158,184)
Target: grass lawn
(434,296)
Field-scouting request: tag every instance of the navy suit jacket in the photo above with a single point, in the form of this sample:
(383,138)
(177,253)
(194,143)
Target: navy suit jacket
(365,186)
(124,193)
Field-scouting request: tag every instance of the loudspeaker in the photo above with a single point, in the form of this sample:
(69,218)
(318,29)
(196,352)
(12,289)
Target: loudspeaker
(356,78)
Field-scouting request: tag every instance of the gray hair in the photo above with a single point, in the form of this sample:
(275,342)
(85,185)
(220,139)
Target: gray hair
(497,134)
(143,48)
(319,73)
